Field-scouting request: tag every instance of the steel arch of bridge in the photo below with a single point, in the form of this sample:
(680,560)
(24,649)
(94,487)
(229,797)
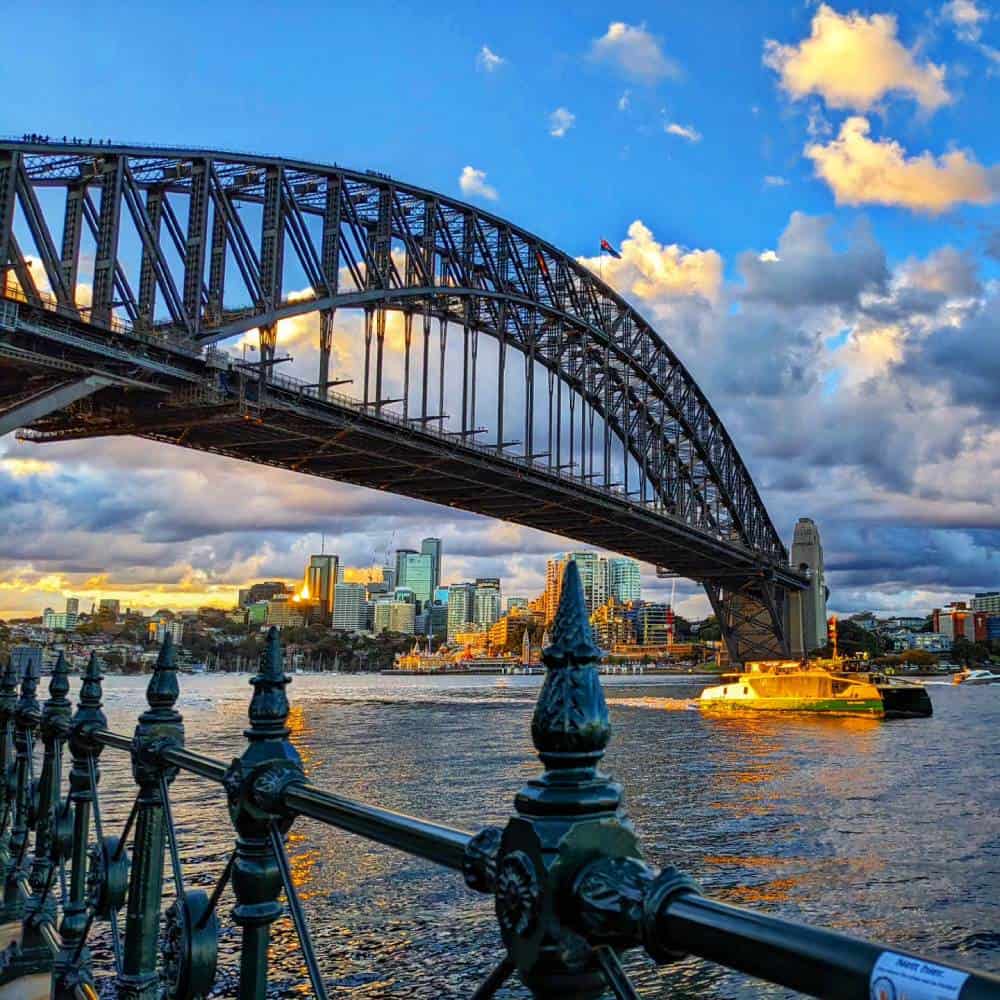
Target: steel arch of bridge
(368,242)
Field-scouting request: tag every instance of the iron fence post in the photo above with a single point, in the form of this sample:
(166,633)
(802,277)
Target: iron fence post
(566,818)
(32,953)
(254,784)
(27,716)
(8,783)
(158,727)
(72,965)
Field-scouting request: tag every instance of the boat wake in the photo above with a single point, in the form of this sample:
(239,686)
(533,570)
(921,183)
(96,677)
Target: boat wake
(668,704)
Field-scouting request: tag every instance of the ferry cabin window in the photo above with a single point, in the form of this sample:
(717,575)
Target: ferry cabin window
(746,690)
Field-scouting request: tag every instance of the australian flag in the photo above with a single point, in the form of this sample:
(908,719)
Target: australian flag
(608,248)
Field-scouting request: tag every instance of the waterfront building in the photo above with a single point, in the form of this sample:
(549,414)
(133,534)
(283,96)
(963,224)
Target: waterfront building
(350,607)
(487,601)
(394,616)
(624,579)
(808,608)
(461,607)
(954,620)
(432,547)
(507,633)
(988,602)
(652,623)
(610,624)
(321,583)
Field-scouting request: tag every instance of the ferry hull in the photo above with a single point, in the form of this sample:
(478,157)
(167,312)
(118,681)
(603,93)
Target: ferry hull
(812,691)
(827,706)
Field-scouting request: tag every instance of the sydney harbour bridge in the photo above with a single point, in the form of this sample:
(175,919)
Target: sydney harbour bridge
(579,419)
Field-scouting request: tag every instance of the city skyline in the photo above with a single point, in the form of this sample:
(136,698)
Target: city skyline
(844,330)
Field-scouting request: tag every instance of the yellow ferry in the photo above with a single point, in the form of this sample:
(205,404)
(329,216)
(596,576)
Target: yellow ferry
(794,686)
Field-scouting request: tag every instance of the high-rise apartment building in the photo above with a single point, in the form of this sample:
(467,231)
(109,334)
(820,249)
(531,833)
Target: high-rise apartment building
(624,580)
(432,547)
(321,584)
(988,602)
(351,607)
(461,607)
(487,601)
(594,575)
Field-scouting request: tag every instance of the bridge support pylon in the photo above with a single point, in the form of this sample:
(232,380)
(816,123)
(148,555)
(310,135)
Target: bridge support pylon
(753,618)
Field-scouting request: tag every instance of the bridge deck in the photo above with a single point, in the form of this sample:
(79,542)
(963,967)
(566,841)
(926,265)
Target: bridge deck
(177,396)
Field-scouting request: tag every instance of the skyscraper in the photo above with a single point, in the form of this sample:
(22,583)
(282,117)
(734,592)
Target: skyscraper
(432,547)
(321,583)
(351,607)
(416,571)
(593,575)
(625,580)
(400,567)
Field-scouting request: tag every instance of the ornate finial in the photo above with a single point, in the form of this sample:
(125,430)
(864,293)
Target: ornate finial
(28,709)
(8,681)
(570,727)
(572,642)
(269,705)
(91,690)
(163,690)
(59,681)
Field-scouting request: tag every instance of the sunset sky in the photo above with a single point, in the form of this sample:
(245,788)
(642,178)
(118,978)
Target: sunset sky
(805,201)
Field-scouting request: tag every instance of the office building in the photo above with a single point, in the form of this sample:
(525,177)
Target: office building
(432,547)
(394,616)
(415,570)
(321,584)
(624,580)
(955,620)
(262,592)
(73,606)
(351,607)
(517,603)
(109,607)
(399,569)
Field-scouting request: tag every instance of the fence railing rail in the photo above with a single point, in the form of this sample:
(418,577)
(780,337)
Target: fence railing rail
(570,888)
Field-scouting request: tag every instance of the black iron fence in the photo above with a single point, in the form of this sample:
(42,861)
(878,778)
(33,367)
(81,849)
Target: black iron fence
(570,888)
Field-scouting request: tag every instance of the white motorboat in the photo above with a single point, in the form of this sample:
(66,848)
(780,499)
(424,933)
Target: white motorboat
(977,677)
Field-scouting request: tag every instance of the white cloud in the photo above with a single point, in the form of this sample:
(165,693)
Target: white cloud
(656,273)
(688,132)
(473,184)
(966,18)
(773,180)
(623,101)
(488,61)
(635,52)
(560,122)
(861,170)
(853,61)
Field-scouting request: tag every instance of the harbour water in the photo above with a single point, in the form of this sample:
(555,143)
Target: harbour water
(889,830)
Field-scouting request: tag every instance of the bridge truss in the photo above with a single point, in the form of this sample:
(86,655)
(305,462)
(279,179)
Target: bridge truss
(579,419)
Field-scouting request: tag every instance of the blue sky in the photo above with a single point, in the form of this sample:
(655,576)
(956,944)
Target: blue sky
(863,137)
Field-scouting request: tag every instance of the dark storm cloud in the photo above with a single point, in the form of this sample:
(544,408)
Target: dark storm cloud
(808,271)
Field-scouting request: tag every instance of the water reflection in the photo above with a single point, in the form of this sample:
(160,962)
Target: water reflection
(891,830)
